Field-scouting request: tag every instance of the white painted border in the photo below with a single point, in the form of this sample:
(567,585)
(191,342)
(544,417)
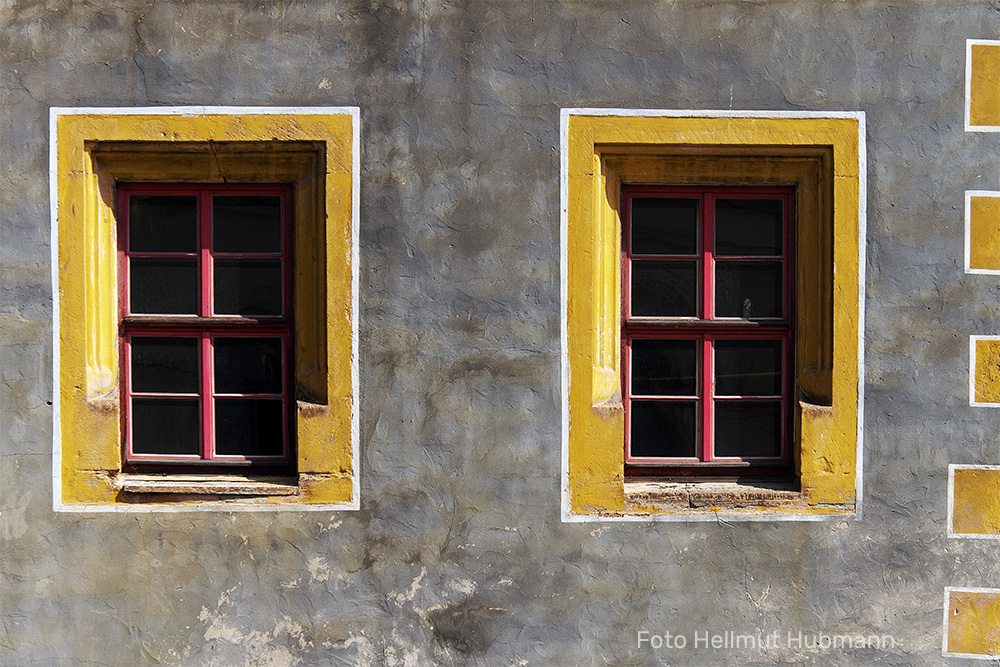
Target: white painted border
(355,114)
(972,372)
(969,194)
(951,501)
(969,127)
(564,370)
(566,509)
(947,614)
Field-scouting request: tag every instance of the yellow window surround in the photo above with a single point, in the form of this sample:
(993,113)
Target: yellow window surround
(822,154)
(315,149)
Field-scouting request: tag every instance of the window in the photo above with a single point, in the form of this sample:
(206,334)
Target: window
(707,329)
(213,366)
(705,372)
(206,324)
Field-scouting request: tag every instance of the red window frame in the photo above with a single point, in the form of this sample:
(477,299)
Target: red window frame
(705,329)
(206,326)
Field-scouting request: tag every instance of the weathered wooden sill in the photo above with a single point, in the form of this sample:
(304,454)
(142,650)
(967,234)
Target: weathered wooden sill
(212,485)
(673,494)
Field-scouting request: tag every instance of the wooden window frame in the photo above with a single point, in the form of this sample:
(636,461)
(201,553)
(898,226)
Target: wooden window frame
(205,326)
(706,328)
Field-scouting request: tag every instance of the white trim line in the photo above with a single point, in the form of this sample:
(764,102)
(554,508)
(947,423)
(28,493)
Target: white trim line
(54,268)
(564,369)
(969,127)
(951,501)
(567,515)
(972,372)
(859,444)
(948,590)
(709,113)
(713,517)
(969,194)
(228,508)
(200,111)
(355,114)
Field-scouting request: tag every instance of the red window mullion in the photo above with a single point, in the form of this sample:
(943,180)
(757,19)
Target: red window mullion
(707,401)
(207,398)
(205,309)
(205,268)
(708,257)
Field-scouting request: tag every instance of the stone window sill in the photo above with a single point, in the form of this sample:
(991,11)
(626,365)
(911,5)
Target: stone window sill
(714,495)
(206,485)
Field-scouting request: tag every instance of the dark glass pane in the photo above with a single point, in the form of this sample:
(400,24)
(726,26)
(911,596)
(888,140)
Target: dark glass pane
(664,288)
(662,428)
(247,365)
(249,426)
(247,286)
(664,367)
(166,426)
(663,226)
(745,428)
(747,368)
(748,227)
(246,224)
(164,286)
(168,365)
(747,289)
(163,223)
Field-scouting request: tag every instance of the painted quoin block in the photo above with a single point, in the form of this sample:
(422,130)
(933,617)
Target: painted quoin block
(971,619)
(984,371)
(982,85)
(974,501)
(982,232)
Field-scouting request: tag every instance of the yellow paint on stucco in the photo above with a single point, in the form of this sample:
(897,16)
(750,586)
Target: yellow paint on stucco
(828,438)
(984,85)
(976,501)
(984,232)
(987,371)
(186,147)
(973,622)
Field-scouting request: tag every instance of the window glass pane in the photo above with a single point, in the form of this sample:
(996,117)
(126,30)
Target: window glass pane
(163,286)
(247,286)
(664,367)
(748,227)
(664,288)
(748,428)
(747,289)
(246,223)
(662,428)
(247,365)
(165,426)
(163,223)
(662,226)
(165,365)
(249,426)
(747,368)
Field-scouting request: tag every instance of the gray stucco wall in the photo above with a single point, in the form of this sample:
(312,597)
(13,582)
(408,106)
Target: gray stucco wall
(457,555)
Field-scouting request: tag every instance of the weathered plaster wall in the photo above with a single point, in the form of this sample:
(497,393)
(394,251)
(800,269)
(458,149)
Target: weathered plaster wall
(458,555)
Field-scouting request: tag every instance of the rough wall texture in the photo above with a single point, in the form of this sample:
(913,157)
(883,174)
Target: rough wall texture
(457,555)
